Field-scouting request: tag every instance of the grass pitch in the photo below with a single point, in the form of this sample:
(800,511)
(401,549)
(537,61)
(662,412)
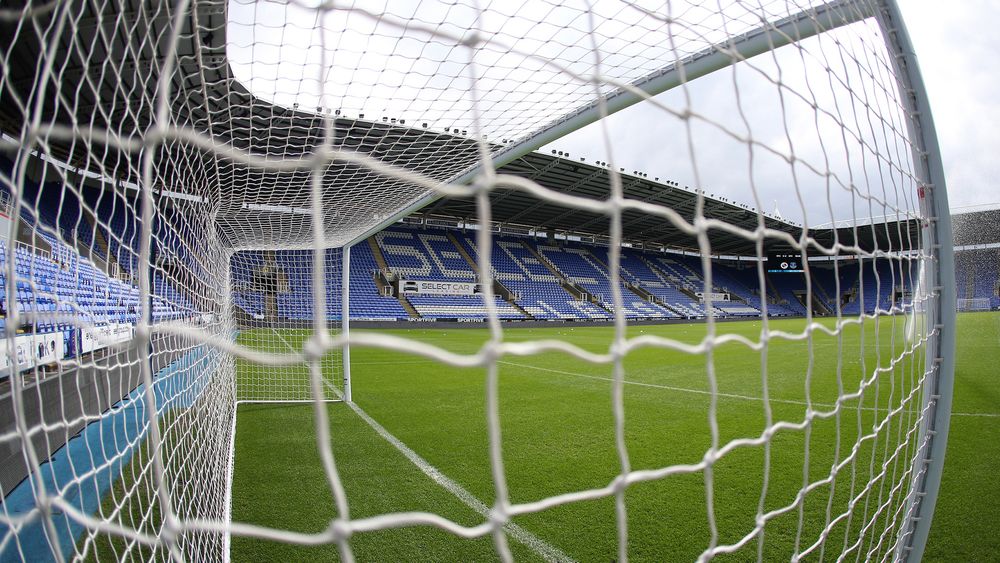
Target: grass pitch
(558,436)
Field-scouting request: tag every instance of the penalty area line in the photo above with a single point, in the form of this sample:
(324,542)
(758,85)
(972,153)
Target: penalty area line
(544,549)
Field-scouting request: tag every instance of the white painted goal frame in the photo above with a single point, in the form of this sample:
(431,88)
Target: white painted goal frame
(973,304)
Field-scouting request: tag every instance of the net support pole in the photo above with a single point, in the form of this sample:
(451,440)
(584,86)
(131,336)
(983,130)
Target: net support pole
(345,318)
(764,39)
(940,314)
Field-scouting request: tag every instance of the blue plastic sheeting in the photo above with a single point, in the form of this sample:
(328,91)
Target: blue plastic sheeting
(87,466)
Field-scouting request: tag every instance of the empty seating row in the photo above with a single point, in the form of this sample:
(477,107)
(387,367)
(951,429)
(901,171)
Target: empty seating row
(568,280)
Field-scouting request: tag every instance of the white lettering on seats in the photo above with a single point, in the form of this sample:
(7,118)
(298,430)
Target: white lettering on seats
(507,246)
(404,250)
(425,240)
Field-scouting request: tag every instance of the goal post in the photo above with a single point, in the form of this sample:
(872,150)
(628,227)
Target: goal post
(275,309)
(973,304)
(345,319)
(937,241)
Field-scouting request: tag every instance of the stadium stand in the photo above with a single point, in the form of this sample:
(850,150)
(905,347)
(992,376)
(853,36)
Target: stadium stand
(366,301)
(977,273)
(61,271)
(977,257)
(791,291)
(538,290)
(423,254)
(737,281)
(676,280)
(874,288)
(577,265)
(640,273)
(78,242)
(538,279)
(294,297)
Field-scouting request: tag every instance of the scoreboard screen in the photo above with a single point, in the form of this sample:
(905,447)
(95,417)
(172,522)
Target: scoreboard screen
(784,262)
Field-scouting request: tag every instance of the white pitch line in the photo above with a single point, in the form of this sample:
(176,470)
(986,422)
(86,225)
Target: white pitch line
(727,395)
(977,414)
(680,389)
(668,387)
(544,549)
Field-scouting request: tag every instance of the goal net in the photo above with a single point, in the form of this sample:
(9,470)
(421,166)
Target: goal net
(273,298)
(973,304)
(184,183)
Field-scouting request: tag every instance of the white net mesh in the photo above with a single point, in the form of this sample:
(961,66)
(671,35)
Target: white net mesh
(179,180)
(974,304)
(272,291)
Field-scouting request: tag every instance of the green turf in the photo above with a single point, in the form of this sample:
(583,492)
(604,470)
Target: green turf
(558,436)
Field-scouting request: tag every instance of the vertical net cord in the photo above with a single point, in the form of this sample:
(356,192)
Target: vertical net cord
(802,247)
(840,335)
(482,184)
(320,342)
(759,520)
(765,387)
(227,505)
(888,453)
(858,412)
(17,385)
(500,513)
(17,389)
(30,139)
(618,354)
(867,178)
(617,348)
(705,249)
(171,526)
(810,345)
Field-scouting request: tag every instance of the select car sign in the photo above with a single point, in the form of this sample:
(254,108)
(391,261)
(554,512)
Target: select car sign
(439,287)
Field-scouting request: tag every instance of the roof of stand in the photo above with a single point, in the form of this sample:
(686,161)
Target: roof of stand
(976,226)
(259,205)
(518,209)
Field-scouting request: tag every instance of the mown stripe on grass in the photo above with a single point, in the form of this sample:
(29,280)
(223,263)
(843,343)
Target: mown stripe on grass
(669,387)
(544,549)
(719,393)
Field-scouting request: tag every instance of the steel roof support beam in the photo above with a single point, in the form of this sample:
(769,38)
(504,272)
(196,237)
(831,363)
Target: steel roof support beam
(763,39)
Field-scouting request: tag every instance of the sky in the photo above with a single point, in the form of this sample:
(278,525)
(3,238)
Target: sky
(960,63)
(370,70)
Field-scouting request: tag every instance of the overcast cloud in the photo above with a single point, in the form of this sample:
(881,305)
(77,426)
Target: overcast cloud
(959,61)
(845,151)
